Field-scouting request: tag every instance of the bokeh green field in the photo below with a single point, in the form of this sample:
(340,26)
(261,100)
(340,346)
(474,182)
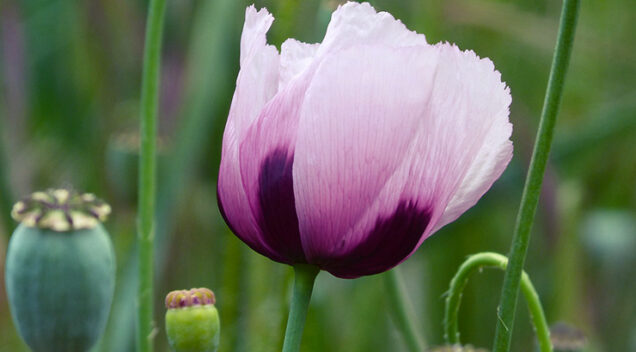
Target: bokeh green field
(69,88)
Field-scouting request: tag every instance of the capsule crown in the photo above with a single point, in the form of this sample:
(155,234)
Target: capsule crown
(188,298)
(61,210)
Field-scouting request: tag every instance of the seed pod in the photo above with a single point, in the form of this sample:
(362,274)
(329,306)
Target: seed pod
(60,270)
(192,321)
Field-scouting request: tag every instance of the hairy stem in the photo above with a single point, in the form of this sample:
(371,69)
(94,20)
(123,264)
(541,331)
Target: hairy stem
(6,198)
(148,173)
(534,179)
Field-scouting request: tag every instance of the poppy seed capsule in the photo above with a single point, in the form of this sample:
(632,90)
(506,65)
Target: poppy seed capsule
(60,270)
(192,321)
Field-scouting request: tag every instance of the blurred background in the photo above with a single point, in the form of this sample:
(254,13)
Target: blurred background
(70,80)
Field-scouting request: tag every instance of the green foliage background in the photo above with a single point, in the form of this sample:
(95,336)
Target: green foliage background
(69,89)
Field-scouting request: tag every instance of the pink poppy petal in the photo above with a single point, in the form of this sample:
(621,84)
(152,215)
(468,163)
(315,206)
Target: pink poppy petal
(372,180)
(257,80)
(485,169)
(351,24)
(295,58)
(266,158)
(359,24)
(360,116)
(490,99)
(256,84)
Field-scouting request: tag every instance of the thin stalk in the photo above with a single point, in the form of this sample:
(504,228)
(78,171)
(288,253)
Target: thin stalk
(304,277)
(534,179)
(403,311)
(148,173)
(487,259)
(6,198)
(214,33)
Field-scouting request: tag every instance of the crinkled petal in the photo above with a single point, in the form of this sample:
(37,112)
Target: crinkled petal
(295,58)
(266,158)
(351,24)
(495,151)
(359,24)
(386,140)
(256,84)
(360,117)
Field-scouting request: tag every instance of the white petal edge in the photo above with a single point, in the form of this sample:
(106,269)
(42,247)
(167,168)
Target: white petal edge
(495,152)
(360,24)
(256,84)
(295,58)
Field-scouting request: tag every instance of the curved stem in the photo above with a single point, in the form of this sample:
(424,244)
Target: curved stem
(534,180)
(304,277)
(402,310)
(148,173)
(488,259)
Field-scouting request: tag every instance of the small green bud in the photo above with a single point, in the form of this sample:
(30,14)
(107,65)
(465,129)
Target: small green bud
(192,321)
(60,270)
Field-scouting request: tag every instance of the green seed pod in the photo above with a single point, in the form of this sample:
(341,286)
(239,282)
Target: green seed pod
(192,321)
(60,270)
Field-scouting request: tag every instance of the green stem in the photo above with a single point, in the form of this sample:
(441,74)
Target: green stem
(209,69)
(304,277)
(148,173)
(6,198)
(402,311)
(532,188)
(487,259)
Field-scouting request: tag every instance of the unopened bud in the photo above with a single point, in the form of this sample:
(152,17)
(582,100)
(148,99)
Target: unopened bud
(192,321)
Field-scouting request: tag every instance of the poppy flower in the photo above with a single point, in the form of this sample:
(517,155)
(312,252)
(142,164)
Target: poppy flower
(349,153)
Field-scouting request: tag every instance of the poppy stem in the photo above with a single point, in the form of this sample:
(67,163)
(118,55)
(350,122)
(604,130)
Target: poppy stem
(148,173)
(6,197)
(403,311)
(453,299)
(534,179)
(304,277)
